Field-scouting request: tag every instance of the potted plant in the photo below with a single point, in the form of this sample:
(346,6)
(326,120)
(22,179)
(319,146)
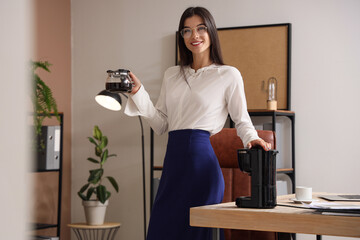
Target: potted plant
(44,103)
(96,197)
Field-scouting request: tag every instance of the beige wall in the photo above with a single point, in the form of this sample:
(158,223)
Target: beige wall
(53,44)
(139,35)
(15,45)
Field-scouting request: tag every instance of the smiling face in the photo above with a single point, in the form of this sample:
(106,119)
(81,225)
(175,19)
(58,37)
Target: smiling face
(198,44)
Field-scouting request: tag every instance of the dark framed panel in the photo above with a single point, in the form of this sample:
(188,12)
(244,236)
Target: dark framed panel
(259,52)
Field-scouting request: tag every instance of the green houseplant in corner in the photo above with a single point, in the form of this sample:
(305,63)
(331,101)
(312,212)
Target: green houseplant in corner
(94,193)
(44,106)
(44,103)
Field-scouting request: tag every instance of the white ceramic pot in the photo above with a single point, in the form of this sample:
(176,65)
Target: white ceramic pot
(95,212)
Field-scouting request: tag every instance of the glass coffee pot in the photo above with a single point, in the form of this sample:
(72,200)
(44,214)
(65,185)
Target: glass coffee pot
(118,81)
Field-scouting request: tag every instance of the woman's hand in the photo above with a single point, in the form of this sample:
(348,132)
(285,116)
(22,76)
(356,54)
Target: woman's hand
(136,85)
(259,142)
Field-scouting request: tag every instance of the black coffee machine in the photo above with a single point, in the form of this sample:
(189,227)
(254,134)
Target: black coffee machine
(261,166)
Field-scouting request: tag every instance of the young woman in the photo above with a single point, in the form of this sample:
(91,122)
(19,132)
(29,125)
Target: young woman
(195,100)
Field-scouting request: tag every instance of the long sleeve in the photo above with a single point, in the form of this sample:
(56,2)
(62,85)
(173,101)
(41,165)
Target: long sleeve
(203,102)
(237,108)
(140,104)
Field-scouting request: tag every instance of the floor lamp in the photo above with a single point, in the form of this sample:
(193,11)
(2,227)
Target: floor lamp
(112,101)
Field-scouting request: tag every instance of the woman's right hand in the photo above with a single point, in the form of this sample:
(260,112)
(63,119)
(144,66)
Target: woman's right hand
(137,83)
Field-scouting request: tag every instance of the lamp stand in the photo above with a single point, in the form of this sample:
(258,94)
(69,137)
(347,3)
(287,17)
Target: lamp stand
(143,168)
(112,101)
(143,173)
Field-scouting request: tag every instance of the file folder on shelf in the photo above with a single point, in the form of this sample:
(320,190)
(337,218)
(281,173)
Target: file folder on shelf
(48,157)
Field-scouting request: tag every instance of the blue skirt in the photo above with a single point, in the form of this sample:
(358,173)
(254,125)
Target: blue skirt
(191,177)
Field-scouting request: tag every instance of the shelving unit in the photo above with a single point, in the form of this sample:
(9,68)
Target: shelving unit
(40,226)
(274,114)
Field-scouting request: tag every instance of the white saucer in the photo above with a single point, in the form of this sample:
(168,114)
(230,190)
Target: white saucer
(302,201)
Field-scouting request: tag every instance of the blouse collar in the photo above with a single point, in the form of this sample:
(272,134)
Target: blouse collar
(192,71)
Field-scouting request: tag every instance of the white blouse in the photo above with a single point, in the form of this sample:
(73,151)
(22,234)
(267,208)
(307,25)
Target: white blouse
(202,102)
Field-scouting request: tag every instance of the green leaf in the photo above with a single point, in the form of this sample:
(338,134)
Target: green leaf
(97,133)
(44,104)
(93,160)
(82,196)
(98,151)
(95,175)
(44,65)
(101,193)
(108,194)
(92,141)
(104,142)
(104,157)
(90,192)
(112,155)
(113,183)
(84,188)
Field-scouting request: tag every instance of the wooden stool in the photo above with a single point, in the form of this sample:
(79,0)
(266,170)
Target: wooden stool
(107,231)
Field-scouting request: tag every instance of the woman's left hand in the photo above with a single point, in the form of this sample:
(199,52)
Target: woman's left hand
(259,142)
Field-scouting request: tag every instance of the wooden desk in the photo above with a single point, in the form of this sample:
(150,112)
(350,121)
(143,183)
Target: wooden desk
(279,219)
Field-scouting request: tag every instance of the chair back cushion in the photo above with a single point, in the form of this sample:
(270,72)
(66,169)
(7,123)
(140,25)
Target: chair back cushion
(226,143)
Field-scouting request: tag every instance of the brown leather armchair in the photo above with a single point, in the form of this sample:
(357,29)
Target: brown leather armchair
(225,144)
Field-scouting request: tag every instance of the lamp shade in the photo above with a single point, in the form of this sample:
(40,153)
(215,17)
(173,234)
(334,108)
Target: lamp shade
(109,100)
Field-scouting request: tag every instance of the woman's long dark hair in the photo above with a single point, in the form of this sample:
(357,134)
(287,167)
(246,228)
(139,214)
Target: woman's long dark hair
(185,54)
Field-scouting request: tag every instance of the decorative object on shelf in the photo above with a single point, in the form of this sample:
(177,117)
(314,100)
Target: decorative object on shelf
(112,101)
(48,155)
(95,208)
(272,94)
(44,103)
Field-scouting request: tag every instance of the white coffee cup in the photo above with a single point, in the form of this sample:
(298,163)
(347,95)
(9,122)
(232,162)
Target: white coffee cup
(303,193)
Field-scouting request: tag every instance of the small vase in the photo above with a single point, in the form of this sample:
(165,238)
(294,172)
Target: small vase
(95,212)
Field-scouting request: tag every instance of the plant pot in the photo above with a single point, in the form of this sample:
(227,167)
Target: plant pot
(95,212)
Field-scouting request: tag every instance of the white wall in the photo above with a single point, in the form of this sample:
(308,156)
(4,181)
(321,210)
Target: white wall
(15,25)
(139,35)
